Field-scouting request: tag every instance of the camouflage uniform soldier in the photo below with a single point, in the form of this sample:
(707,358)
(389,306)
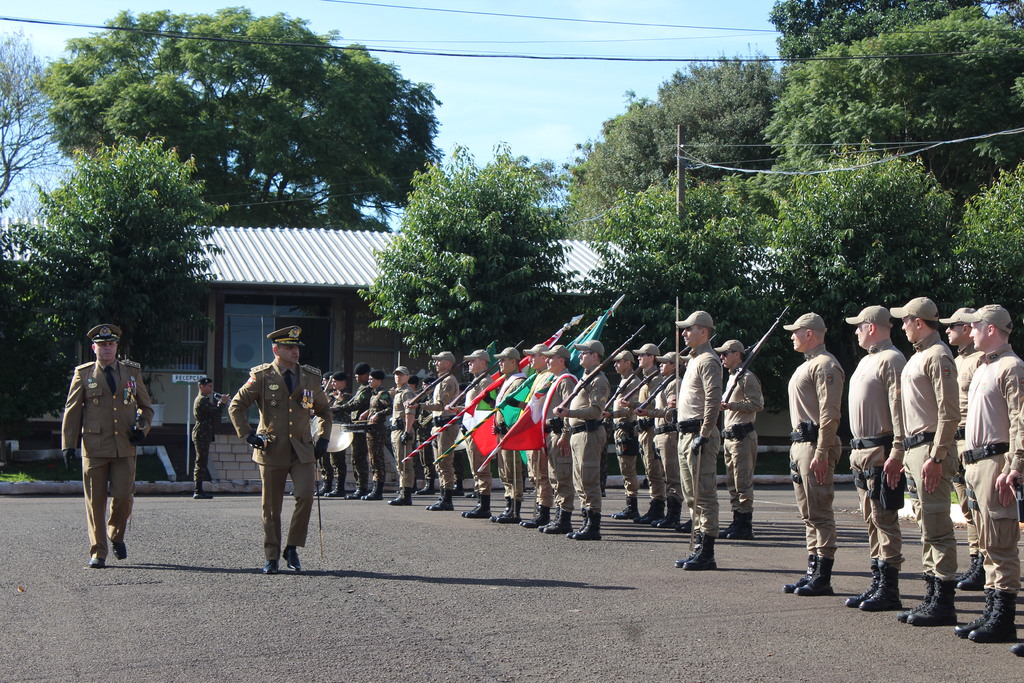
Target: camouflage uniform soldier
(376,433)
(344,411)
(205,412)
(333,468)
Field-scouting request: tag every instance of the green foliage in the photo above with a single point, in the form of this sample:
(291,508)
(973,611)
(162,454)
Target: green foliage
(917,100)
(124,242)
(289,136)
(477,257)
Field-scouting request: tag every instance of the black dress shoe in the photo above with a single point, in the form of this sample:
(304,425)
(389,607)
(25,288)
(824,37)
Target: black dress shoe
(270,567)
(96,563)
(120,549)
(202,495)
(291,556)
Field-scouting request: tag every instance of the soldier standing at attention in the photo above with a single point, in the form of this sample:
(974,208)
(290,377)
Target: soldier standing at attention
(663,412)
(510,465)
(745,402)
(376,432)
(482,481)
(283,446)
(876,420)
(815,399)
(538,460)
(205,412)
(697,409)
(444,392)
(109,409)
(333,467)
(627,445)
(354,407)
(556,434)
(425,460)
(403,435)
(647,357)
(931,413)
(967,360)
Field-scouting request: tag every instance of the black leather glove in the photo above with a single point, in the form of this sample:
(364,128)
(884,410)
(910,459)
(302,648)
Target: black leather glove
(697,444)
(406,437)
(256,441)
(320,450)
(136,436)
(70,458)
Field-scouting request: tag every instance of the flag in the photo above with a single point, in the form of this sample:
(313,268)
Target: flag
(592,332)
(527,434)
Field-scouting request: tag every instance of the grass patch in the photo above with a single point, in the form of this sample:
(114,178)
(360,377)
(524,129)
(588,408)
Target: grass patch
(148,468)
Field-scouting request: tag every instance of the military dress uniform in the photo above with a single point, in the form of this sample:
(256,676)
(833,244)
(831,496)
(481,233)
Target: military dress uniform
(288,447)
(587,441)
(205,414)
(348,412)
(109,409)
(510,464)
(740,434)
(627,443)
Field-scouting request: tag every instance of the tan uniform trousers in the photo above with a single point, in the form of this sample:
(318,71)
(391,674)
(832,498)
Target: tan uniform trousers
(627,465)
(587,448)
(274,478)
(666,445)
(482,481)
(814,500)
(653,465)
(407,469)
(445,467)
(560,473)
(998,530)
(699,473)
(885,539)
(96,473)
(961,495)
(740,460)
(510,469)
(538,461)
(938,544)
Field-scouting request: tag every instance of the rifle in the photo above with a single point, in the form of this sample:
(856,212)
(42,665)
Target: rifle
(751,355)
(590,376)
(427,389)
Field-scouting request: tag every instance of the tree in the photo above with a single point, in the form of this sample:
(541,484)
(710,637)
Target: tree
(809,26)
(907,103)
(477,259)
(284,126)
(124,241)
(723,106)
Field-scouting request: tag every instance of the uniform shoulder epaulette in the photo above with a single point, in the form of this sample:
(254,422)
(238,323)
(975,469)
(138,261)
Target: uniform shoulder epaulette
(131,364)
(83,366)
(259,368)
(310,368)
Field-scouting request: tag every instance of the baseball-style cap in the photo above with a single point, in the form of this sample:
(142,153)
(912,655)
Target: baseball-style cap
(445,355)
(808,321)
(479,354)
(669,357)
(377,374)
(509,352)
(104,332)
(731,345)
(626,355)
(400,370)
(922,307)
(702,318)
(286,336)
(877,315)
(648,349)
(558,350)
(536,350)
(957,317)
(592,345)
(992,314)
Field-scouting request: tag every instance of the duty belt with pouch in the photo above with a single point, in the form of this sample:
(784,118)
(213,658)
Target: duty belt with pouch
(918,439)
(587,426)
(644,424)
(555,424)
(987,451)
(961,433)
(441,420)
(689,426)
(871,442)
(797,479)
(738,431)
(628,426)
(806,432)
(666,428)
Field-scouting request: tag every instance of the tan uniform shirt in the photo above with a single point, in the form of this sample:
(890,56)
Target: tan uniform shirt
(103,419)
(588,404)
(967,361)
(627,384)
(660,411)
(875,404)
(645,390)
(930,397)
(700,391)
(993,412)
(444,392)
(746,400)
(556,395)
(816,395)
(399,411)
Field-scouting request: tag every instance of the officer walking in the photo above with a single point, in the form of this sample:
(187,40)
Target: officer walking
(205,413)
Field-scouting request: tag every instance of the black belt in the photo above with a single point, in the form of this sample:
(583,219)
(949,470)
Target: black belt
(667,428)
(738,431)
(871,442)
(587,426)
(397,428)
(689,426)
(961,433)
(806,432)
(441,420)
(645,424)
(987,451)
(500,428)
(918,439)
(627,426)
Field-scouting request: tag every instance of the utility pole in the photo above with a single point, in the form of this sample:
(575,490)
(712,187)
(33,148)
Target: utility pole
(680,174)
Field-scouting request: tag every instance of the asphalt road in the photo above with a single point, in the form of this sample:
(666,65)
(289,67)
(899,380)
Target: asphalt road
(402,594)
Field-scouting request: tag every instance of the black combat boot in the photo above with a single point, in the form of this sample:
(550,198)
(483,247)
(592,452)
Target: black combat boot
(704,557)
(685,527)
(887,597)
(697,536)
(929,595)
(821,580)
(745,530)
(630,512)
(561,524)
(1018,649)
(200,494)
(965,630)
(941,611)
(856,600)
(505,512)
(542,518)
(404,497)
(974,578)
(482,509)
(459,490)
(1000,627)
(728,531)
(515,517)
(591,530)
(428,488)
(655,512)
(444,503)
(326,485)
(339,481)
(357,494)
(377,492)
(812,565)
(671,517)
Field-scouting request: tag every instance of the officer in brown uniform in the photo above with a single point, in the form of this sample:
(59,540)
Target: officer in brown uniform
(333,468)
(663,412)
(538,460)
(425,459)
(994,460)
(557,434)
(510,465)
(931,413)
(403,435)
(876,420)
(482,481)
(648,370)
(377,433)
(283,445)
(205,413)
(627,445)
(967,360)
(745,402)
(109,409)
(587,439)
(697,408)
(815,397)
(443,394)
(345,411)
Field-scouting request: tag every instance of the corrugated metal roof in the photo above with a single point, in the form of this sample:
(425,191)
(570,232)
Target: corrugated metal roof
(325,258)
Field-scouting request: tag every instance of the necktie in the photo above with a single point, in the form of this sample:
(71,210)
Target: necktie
(289,380)
(110,379)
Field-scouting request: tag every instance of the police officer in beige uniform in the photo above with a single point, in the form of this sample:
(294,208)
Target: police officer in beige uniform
(557,435)
(538,460)
(444,392)
(967,360)
(663,412)
(627,445)
(931,412)
(745,402)
(403,435)
(647,358)
(482,481)
(876,420)
(510,465)
(109,409)
(994,460)
(815,398)
(587,439)
(283,445)
(697,408)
